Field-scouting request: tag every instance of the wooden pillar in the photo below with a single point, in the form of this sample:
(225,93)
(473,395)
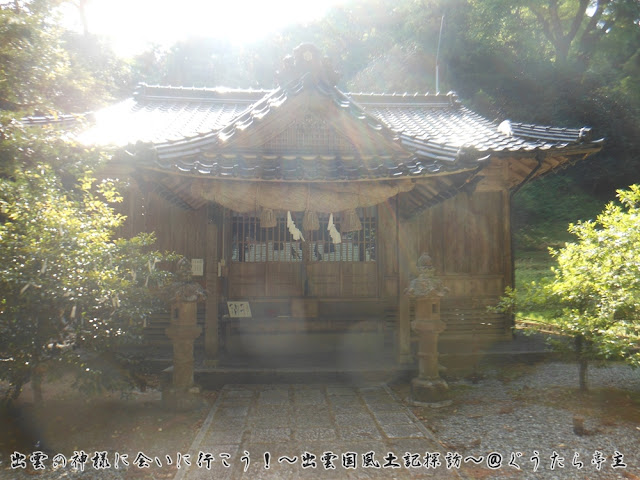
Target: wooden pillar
(508,259)
(406,251)
(211,320)
(306,260)
(404,332)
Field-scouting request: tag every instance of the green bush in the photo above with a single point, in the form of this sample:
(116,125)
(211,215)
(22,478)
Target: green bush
(593,294)
(69,290)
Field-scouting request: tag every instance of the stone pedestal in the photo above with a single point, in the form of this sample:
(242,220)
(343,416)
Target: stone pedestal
(182,394)
(428,387)
(426,290)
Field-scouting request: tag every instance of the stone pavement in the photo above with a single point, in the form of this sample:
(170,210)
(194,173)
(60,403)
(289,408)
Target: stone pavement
(298,425)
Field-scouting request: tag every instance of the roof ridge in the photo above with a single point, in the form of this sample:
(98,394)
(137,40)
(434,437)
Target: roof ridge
(171,92)
(546,132)
(450,99)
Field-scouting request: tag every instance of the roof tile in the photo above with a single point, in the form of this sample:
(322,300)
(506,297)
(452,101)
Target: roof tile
(186,130)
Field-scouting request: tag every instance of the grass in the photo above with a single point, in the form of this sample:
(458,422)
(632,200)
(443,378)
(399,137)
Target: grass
(532,266)
(542,212)
(538,238)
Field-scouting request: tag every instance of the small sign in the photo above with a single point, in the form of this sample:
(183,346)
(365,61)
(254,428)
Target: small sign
(197,267)
(239,309)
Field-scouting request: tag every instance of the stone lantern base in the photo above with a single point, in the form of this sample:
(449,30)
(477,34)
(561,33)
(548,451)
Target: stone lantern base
(180,400)
(429,390)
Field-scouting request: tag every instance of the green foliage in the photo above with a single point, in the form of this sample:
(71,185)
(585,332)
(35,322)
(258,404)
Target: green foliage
(44,69)
(598,277)
(594,293)
(542,209)
(68,289)
(95,77)
(31,59)
(70,292)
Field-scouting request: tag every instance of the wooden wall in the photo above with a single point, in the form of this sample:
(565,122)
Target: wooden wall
(285,280)
(176,229)
(467,237)
(179,230)
(469,240)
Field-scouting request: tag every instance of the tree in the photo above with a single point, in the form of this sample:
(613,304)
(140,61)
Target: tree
(566,31)
(69,291)
(45,69)
(595,289)
(31,58)
(583,24)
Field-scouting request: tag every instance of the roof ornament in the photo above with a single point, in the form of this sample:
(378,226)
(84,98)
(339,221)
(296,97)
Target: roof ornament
(584,135)
(307,60)
(505,128)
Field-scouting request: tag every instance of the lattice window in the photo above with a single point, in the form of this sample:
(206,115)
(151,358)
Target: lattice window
(251,243)
(357,246)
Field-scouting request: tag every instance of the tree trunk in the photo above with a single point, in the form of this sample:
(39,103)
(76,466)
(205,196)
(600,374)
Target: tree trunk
(562,51)
(13,393)
(583,363)
(584,384)
(36,386)
(82,7)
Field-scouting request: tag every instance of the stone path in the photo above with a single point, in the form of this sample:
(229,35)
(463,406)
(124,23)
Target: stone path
(302,425)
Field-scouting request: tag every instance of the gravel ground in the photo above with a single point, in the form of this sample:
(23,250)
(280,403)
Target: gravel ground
(516,411)
(534,412)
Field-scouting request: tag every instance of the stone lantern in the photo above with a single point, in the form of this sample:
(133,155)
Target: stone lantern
(182,394)
(426,291)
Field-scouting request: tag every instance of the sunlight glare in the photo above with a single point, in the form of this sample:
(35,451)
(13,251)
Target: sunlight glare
(134,25)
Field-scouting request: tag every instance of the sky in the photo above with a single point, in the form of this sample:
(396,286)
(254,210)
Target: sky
(132,25)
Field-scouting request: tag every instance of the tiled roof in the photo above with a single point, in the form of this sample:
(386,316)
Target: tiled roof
(253,134)
(56,120)
(422,121)
(162,114)
(189,129)
(249,166)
